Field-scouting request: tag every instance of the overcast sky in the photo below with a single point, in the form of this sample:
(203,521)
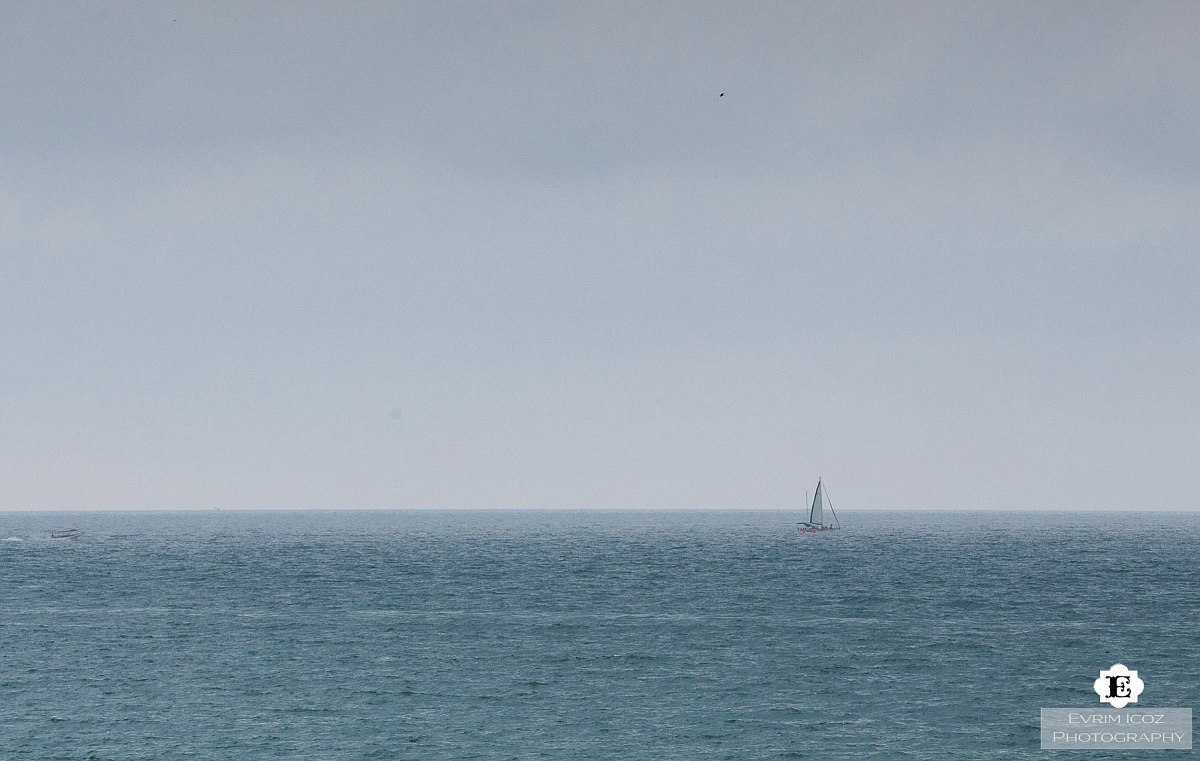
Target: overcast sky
(524,254)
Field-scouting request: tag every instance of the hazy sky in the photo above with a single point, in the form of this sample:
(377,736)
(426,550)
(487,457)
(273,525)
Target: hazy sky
(523,254)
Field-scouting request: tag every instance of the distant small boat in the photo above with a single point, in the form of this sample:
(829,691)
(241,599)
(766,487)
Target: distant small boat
(66,533)
(816,513)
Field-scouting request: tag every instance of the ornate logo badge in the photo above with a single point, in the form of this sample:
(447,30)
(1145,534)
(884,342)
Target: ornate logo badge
(1118,686)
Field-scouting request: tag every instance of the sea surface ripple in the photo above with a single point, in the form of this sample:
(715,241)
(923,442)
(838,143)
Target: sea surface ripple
(581,635)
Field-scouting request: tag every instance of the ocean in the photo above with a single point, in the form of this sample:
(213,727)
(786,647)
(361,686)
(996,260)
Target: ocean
(582,635)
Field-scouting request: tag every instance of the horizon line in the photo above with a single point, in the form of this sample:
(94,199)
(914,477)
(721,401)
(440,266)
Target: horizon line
(587,509)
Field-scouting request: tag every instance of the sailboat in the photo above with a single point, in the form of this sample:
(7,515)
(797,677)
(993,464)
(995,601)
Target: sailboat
(816,513)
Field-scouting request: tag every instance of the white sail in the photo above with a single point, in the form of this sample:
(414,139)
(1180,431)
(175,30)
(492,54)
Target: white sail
(817,516)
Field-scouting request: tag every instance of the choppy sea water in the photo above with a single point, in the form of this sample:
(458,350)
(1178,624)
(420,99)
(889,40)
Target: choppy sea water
(581,635)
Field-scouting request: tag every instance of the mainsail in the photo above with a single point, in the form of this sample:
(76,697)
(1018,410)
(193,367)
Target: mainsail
(817,516)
